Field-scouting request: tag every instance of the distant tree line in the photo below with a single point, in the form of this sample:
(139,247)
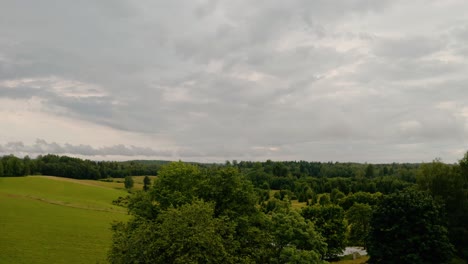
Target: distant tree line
(70,167)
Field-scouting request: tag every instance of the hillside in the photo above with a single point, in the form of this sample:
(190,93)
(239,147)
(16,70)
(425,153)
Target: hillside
(47,219)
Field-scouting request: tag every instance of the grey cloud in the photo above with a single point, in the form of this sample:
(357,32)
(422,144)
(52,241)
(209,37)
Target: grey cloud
(249,79)
(43,147)
(407,47)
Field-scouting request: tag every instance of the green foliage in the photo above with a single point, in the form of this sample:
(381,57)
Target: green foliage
(324,199)
(232,194)
(360,197)
(146,183)
(76,168)
(448,185)
(336,195)
(358,217)
(408,227)
(12,166)
(184,203)
(369,171)
(128,183)
(275,205)
(329,222)
(177,184)
(187,234)
(295,239)
(141,204)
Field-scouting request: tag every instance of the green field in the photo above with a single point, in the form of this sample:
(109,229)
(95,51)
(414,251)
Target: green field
(118,183)
(56,220)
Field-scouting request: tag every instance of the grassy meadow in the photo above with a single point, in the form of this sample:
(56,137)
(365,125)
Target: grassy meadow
(56,220)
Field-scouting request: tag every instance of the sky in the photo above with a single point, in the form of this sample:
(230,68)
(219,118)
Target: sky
(206,80)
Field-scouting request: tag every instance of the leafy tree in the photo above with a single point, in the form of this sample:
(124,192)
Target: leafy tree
(128,182)
(369,171)
(141,205)
(27,165)
(1,168)
(329,222)
(360,197)
(358,217)
(447,184)
(324,199)
(146,183)
(187,234)
(177,184)
(295,239)
(336,195)
(232,193)
(408,227)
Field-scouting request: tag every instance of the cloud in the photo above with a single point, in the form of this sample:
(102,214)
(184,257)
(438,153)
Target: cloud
(210,80)
(43,147)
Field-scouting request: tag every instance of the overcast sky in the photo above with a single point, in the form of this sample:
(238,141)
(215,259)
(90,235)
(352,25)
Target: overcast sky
(317,80)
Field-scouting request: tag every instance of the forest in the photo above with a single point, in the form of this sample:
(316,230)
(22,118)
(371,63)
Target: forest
(246,212)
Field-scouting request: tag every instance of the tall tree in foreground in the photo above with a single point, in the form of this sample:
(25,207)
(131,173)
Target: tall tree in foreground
(329,222)
(187,234)
(358,216)
(408,227)
(449,185)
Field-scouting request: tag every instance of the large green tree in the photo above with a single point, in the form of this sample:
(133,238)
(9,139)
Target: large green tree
(329,222)
(358,217)
(449,185)
(408,227)
(187,234)
(295,239)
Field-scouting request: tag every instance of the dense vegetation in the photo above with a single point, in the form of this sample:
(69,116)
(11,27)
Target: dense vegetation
(280,212)
(228,214)
(69,167)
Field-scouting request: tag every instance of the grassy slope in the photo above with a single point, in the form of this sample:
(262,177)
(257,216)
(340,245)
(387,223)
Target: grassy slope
(49,220)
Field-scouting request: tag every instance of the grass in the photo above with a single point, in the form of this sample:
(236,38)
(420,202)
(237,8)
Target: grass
(349,260)
(118,183)
(56,220)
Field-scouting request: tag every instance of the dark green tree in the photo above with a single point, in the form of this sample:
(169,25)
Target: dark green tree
(187,234)
(329,222)
(336,195)
(447,184)
(177,184)
(358,217)
(295,240)
(146,183)
(369,171)
(408,227)
(128,183)
(27,165)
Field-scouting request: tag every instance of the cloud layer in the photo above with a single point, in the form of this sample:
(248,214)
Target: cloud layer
(41,146)
(376,81)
